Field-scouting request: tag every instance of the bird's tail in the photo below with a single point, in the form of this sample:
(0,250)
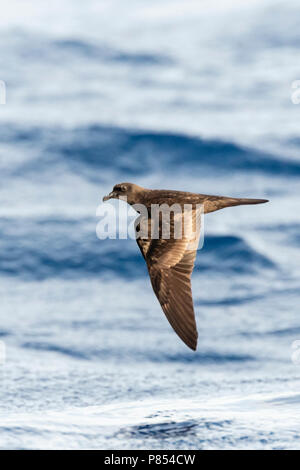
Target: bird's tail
(214,203)
(244,201)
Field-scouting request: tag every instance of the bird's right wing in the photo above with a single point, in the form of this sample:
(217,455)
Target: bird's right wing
(172,286)
(170,264)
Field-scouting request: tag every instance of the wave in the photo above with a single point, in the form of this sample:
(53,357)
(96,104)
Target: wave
(200,357)
(232,254)
(41,248)
(94,150)
(124,355)
(41,346)
(160,430)
(25,45)
(87,50)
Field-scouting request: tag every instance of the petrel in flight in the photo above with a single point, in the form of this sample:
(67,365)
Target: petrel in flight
(170,260)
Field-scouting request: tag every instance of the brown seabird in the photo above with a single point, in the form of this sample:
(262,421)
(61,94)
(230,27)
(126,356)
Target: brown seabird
(170,262)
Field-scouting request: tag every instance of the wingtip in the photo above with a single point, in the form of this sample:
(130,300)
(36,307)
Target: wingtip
(193,341)
(260,201)
(193,346)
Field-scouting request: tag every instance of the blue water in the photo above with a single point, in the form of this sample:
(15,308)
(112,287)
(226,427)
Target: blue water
(177,95)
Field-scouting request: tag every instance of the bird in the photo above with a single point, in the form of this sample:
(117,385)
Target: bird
(170,261)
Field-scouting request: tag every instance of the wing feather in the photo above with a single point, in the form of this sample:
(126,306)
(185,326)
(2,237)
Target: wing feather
(170,264)
(174,292)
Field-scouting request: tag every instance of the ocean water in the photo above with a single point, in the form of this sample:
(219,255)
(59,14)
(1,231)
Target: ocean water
(187,95)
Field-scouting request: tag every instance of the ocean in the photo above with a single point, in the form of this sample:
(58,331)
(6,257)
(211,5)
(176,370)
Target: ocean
(194,96)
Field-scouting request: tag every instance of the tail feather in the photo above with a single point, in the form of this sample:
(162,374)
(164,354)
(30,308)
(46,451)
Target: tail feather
(214,203)
(242,201)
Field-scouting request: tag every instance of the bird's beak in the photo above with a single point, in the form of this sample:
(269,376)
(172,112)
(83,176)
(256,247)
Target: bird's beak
(109,196)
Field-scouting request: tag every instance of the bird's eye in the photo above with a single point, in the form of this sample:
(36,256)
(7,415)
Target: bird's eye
(121,188)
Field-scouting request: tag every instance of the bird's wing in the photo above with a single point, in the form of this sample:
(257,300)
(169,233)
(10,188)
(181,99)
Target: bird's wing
(170,264)
(143,239)
(172,287)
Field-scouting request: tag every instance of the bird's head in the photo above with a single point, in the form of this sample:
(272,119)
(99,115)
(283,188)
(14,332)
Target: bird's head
(128,192)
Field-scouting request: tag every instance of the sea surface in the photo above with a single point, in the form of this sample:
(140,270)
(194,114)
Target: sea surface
(192,95)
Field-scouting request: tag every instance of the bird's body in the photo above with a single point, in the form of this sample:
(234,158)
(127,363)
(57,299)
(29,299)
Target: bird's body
(170,260)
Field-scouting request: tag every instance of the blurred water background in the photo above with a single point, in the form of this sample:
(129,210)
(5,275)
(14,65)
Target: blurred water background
(189,95)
